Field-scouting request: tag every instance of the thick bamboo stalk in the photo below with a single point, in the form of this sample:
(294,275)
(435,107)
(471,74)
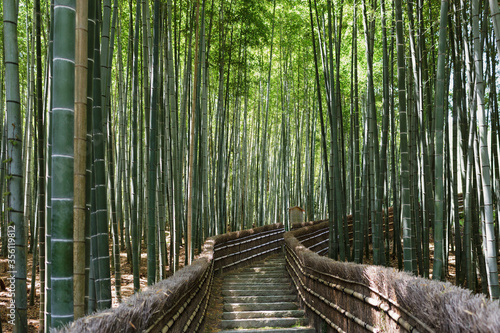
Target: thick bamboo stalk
(62,156)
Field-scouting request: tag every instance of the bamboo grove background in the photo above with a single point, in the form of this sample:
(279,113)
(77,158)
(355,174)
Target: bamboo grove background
(156,124)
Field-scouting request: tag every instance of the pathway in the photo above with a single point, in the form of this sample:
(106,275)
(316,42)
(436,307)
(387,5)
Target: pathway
(261,298)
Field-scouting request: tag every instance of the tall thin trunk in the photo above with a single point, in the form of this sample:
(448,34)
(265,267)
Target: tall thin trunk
(323,131)
(403,138)
(264,141)
(385,135)
(152,150)
(41,163)
(189,241)
(110,145)
(99,235)
(134,189)
(80,166)
(174,142)
(489,243)
(437,273)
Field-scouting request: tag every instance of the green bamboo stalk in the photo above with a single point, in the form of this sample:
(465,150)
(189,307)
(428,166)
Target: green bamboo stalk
(439,192)
(112,207)
(204,140)
(105,53)
(48,201)
(405,168)
(323,131)
(14,162)
(3,154)
(385,136)
(425,133)
(134,190)
(261,220)
(335,161)
(80,164)
(358,231)
(91,36)
(478,230)
(120,210)
(376,177)
(123,181)
(110,134)
(62,157)
(174,143)
(495,17)
(41,163)
(35,255)
(26,147)
(144,123)
(100,258)
(489,243)
(457,105)
(152,150)
(220,128)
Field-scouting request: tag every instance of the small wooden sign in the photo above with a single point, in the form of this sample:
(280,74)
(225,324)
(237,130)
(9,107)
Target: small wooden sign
(296,214)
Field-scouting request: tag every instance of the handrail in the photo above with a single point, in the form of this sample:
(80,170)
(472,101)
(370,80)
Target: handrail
(313,235)
(245,239)
(364,298)
(254,255)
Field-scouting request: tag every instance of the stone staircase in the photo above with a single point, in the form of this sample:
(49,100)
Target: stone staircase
(261,298)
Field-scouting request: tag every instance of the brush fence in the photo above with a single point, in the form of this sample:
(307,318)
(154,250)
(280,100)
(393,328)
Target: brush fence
(346,297)
(179,303)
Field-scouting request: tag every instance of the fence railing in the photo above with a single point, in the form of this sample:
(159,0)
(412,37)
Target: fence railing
(179,303)
(346,297)
(241,247)
(322,248)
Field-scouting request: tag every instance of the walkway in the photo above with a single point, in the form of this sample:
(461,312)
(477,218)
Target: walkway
(261,298)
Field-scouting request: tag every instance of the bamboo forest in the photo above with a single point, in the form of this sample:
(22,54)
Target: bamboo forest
(134,132)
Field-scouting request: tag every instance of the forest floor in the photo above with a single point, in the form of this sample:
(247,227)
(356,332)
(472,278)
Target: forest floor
(127,289)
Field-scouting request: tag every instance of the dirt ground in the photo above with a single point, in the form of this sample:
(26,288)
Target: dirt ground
(127,288)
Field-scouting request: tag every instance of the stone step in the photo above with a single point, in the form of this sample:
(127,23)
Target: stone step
(256,286)
(257,281)
(230,307)
(268,265)
(260,272)
(269,262)
(253,292)
(258,275)
(260,299)
(273,330)
(274,258)
(270,268)
(264,322)
(263,314)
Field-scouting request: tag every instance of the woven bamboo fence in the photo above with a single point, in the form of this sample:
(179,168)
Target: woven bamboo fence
(347,297)
(179,303)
